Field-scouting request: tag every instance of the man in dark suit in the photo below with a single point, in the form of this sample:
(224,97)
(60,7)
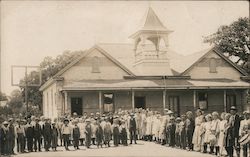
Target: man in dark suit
(47,132)
(235,123)
(37,135)
(132,128)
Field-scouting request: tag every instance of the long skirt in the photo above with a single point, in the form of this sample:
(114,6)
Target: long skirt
(197,138)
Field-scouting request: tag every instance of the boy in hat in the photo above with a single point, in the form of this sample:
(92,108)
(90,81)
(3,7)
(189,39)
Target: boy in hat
(66,130)
(123,131)
(54,136)
(37,135)
(20,135)
(99,134)
(88,131)
(75,134)
(107,132)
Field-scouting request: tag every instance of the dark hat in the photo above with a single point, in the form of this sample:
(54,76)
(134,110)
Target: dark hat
(233,108)
(65,120)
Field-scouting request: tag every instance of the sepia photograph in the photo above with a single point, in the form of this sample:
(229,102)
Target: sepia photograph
(129,78)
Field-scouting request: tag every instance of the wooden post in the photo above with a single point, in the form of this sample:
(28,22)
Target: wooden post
(100,101)
(65,102)
(194,99)
(225,100)
(133,100)
(164,99)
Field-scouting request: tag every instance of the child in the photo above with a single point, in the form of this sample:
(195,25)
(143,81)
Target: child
(88,131)
(66,133)
(115,128)
(75,134)
(177,131)
(99,134)
(207,129)
(93,134)
(81,126)
(54,136)
(182,132)
(123,132)
(171,131)
(107,132)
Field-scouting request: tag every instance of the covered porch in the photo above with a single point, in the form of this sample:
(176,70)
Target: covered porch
(179,96)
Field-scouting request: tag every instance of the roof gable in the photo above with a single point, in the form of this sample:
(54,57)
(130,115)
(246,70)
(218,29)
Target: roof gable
(76,60)
(220,54)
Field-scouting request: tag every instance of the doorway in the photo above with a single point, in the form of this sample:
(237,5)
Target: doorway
(76,105)
(140,102)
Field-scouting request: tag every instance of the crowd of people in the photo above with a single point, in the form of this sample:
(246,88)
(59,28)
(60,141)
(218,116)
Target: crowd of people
(211,133)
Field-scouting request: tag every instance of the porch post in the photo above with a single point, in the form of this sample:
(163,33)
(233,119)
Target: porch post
(164,99)
(100,101)
(133,100)
(194,99)
(65,102)
(225,100)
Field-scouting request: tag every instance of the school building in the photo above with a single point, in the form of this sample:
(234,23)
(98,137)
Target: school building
(145,74)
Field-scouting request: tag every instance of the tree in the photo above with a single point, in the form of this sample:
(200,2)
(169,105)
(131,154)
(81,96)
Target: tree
(16,101)
(49,67)
(234,41)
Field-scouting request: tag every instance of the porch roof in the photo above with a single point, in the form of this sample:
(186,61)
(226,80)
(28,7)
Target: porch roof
(155,84)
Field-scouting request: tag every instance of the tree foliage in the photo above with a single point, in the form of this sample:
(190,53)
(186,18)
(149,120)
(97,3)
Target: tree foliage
(233,40)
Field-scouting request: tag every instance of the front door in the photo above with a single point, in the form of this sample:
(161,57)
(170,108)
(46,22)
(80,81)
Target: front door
(140,102)
(76,105)
(174,105)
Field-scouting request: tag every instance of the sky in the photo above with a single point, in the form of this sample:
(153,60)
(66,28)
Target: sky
(32,30)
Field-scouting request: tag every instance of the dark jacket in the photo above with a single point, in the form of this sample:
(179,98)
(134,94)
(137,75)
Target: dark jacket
(37,131)
(235,126)
(47,130)
(132,124)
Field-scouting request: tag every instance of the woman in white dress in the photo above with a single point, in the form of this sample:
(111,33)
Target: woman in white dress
(143,124)
(149,125)
(221,138)
(156,127)
(197,131)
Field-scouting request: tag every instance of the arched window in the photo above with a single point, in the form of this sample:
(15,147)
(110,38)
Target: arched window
(95,65)
(212,65)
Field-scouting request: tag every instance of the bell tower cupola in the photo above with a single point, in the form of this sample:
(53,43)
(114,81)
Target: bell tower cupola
(151,46)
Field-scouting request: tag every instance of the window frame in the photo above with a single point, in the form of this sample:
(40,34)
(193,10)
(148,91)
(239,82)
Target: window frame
(95,64)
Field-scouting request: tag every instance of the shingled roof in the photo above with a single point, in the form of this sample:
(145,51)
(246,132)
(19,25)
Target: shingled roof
(124,53)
